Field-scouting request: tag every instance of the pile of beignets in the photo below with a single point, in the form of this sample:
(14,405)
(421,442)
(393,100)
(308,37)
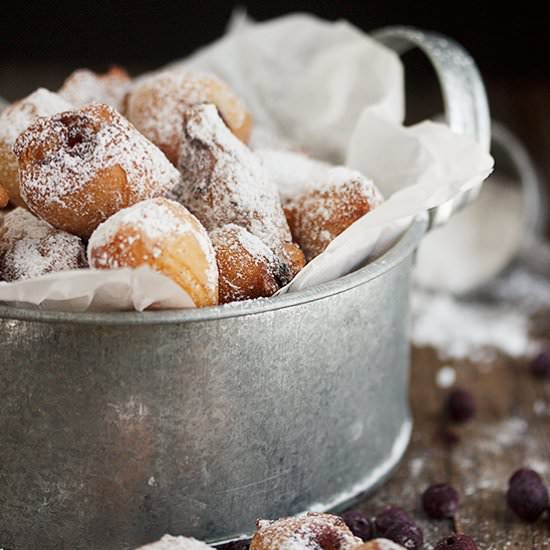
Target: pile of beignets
(110,172)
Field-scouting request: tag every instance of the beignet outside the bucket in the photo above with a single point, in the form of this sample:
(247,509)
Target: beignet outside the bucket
(310,531)
(84,86)
(164,235)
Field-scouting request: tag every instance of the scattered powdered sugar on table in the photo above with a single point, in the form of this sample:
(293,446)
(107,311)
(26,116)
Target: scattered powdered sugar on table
(445,377)
(460,329)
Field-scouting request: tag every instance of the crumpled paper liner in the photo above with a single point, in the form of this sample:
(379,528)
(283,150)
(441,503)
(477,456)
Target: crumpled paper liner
(332,89)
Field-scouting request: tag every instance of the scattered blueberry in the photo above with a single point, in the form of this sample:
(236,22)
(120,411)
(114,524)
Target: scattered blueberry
(390,516)
(461,406)
(540,366)
(523,474)
(456,542)
(408,535)
(359,524)
(440,501)
(527,495)
(395,524)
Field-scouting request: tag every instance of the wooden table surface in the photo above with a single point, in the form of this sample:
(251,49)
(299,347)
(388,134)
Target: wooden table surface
(510,430)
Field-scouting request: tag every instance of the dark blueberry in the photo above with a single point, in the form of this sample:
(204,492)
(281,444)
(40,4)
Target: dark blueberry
(527,496)
(461,406)
(440,501)
(524,474)
(359,524)
(540,366)
(390,516)
(456,542)
(408,535)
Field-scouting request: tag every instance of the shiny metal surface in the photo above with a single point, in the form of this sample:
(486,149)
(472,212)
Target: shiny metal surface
(465,100)
(113,434)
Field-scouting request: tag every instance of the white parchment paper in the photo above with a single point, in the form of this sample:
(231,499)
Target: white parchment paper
(340,95)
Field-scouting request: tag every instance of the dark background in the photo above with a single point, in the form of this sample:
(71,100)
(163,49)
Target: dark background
(507,38)
(42,42)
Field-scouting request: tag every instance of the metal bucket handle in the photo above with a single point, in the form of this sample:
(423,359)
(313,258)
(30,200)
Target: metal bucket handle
(464,96)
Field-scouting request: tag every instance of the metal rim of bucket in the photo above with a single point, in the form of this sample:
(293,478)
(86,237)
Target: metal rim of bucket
(406,244)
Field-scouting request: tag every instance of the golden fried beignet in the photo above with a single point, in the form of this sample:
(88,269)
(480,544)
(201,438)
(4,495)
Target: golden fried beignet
(223,182)
(247,268)
(311,531)
(158,102)
(84,86)
(79,167)
(15,119)
(322,212)
(164,235)
(4,197)
(30,247)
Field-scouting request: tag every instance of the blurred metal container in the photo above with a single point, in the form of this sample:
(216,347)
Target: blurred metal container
(118,428)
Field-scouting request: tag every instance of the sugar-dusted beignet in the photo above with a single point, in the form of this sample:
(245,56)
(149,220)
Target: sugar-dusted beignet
(328,207)
(223,182)
(4,197)
(158,102)
(84,86)
(79,167)
(16,118)
(30,247)
(247,267)
(312,531)
(164,235)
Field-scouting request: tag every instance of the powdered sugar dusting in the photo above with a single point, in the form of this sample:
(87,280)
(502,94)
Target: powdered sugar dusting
(244,239)
(20,115)
(292,172)
(312,531)
(157,220)
(84,86)
(223,181)
(75,146)
(159,101)
(29,247)
(329,206)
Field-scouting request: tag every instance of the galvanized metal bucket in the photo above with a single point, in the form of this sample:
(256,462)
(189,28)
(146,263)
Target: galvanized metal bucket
(118,428)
